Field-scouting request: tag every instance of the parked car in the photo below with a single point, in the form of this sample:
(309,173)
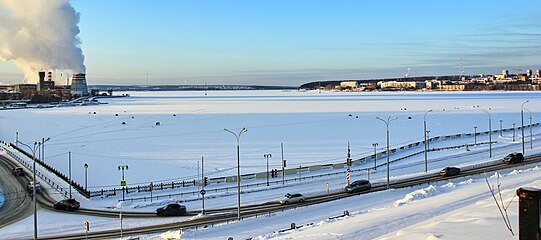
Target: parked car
(30,186)
(292,198)
(358,186)
(171,210)
(513,158)
(18,171)
(67,204)
(449,171)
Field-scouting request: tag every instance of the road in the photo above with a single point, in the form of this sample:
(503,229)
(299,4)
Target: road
(229,214)
(18,203)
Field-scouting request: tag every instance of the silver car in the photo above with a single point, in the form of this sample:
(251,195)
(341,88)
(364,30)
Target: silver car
(292,198)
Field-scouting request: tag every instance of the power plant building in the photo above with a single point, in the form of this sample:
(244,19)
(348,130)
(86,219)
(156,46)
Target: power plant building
(78,85)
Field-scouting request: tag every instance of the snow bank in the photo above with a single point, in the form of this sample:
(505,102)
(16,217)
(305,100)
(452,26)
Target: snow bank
(515,171)
(417,194)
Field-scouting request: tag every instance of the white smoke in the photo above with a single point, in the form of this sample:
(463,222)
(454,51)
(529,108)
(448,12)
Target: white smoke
(40,35)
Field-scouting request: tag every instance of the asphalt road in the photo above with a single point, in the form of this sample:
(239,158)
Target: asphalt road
(17,203)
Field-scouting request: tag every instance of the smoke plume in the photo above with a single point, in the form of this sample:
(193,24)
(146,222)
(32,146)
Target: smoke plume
(40,35)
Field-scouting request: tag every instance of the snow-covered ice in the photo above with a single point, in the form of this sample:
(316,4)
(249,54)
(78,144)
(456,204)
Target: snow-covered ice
(315,129)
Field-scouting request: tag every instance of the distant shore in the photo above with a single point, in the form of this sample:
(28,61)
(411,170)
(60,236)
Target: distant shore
(188,87)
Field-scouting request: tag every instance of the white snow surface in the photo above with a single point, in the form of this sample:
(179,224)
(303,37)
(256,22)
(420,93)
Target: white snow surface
(314,128)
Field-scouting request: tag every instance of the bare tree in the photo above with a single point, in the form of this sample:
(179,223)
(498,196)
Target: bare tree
(500,204)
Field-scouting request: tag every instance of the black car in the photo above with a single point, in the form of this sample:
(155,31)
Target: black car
(171,210)
(67,204)
(513,158)
(449,171)
(18,171)
(357,186)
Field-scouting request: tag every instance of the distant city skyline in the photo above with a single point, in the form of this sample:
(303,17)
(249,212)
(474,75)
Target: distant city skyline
(293,42)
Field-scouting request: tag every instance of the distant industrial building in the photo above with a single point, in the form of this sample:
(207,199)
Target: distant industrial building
(45,89)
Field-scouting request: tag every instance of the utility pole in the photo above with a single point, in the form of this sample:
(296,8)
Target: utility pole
(69,167)
(489,133)
(203,181)
(428,139)
(387,122)
(283,164)
(36,148)
(86,176)
(267,156)
(522,119)
(43,141)
(375,155)
(531,136)
(237,136)
(121,218)
(123,181)
(514,131)
(501,129)
(348,163)
(198,174)
(474,135)
(426,156)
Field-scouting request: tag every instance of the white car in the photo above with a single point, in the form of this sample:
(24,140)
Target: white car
(292,198)
(30,186)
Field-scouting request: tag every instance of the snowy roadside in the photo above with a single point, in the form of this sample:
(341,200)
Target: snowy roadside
(457,209)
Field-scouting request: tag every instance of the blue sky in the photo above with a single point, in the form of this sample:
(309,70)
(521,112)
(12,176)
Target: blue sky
(291,42)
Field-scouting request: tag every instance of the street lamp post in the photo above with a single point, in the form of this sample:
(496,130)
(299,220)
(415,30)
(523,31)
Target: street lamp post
(489,133)
(267,156)
(36,147)
(387,122)
(237,136)
(69,171)
(522,119)
(426,157)
(531,136)
(428,139)
(122,168)
(86,176)
(501,129)
(474,135)
(283,163)
(514,132)
(375,155)
(43,141)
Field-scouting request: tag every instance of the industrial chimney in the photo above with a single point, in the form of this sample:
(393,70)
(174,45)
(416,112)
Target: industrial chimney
(78,85)
(41,82)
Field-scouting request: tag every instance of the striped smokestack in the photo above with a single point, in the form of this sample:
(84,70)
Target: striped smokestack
(78,85)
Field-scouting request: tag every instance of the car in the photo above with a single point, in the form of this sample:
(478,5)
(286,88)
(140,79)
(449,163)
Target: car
(67,204)
(18,171)
(292,198)
(513,158)
(30,186)
(171,210)
(449,171)
(358,186)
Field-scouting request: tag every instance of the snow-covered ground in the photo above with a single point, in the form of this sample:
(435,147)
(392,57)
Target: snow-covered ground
(314,128)
(457,209)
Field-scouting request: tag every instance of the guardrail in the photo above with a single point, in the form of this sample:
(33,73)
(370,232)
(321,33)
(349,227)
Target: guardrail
(8,149)
(277,182)
(290,171)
